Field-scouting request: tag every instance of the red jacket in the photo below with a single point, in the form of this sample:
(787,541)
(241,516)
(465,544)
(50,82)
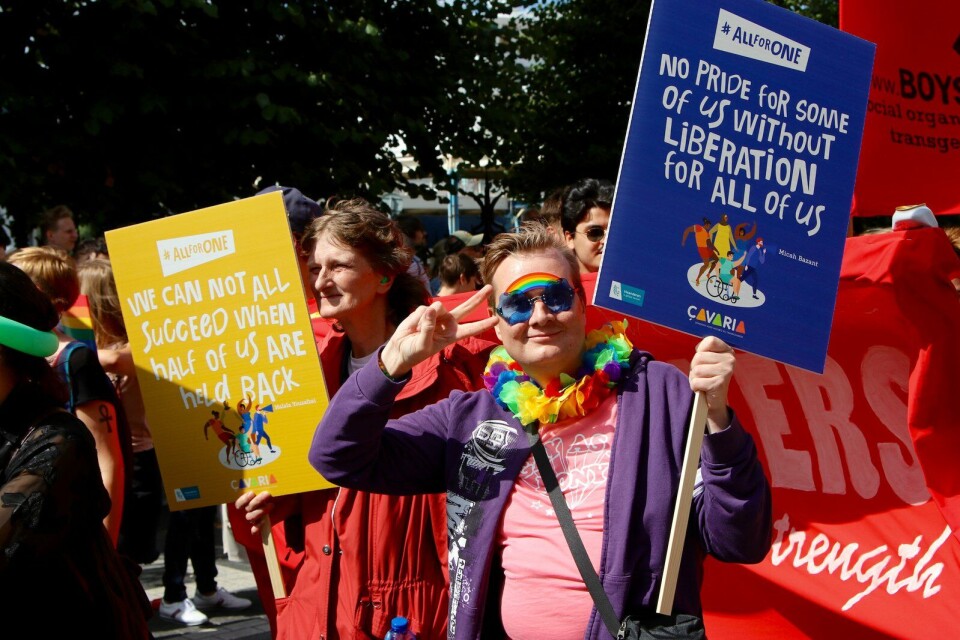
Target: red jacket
(366,558)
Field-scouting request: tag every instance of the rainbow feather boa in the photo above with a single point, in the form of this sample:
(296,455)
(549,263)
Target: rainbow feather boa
(606,356)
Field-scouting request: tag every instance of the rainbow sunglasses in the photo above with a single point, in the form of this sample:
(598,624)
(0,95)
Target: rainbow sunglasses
(516,304)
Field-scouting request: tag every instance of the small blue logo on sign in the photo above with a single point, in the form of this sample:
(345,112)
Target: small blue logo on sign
(626,293)
(187,493)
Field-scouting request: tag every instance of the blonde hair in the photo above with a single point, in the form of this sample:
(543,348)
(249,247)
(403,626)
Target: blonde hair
(97,283)
(953,233)
(52,270)
(533,237)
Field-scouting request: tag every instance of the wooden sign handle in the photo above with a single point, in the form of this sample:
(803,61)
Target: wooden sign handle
(681,513)
(273,564)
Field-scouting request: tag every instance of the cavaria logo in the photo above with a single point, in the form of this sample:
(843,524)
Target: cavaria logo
(255,481)
(715,319)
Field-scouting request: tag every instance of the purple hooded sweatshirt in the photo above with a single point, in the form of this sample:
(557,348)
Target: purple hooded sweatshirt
(471,448)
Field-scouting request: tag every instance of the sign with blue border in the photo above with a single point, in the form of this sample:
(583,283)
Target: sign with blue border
(735,186)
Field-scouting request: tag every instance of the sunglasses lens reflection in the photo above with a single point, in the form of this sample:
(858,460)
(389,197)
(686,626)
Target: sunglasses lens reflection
(518,307)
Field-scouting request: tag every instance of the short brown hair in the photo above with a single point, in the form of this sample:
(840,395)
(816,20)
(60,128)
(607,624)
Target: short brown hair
(51,217)
(455,266)
(358,225)
(533,237)
(52,270)
(552,207)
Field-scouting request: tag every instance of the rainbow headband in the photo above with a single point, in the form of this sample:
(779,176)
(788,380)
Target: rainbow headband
(532,281)
(31,341)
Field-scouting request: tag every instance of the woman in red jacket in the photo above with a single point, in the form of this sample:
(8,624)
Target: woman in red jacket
(353,560)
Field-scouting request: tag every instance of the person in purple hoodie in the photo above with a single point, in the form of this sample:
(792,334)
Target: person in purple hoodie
(613,421)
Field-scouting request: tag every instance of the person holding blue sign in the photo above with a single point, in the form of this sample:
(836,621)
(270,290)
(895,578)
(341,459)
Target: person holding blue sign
(610,419)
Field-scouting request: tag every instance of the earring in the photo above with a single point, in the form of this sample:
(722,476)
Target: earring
(384,280)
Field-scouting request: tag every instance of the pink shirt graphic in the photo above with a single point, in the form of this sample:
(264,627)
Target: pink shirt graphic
(541,577)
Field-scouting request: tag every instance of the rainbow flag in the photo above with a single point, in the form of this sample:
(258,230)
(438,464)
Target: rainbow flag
(77,323)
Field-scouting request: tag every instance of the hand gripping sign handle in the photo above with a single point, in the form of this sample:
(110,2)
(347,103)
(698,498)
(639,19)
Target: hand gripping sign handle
(681,513)
(273,564)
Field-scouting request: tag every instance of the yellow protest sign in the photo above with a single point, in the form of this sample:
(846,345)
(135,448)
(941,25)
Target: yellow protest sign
(225,355)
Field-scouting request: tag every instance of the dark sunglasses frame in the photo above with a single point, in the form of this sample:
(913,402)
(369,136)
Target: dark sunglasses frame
(594,234)
(524,304)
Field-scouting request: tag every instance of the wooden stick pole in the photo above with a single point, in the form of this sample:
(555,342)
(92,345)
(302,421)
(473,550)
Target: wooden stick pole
(681,513)
(273,564)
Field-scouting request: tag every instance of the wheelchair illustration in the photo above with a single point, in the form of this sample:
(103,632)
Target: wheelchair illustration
(246,459)
(717,288)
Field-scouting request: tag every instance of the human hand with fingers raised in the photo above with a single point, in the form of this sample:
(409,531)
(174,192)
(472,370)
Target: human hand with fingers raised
(428,330)
(710,372)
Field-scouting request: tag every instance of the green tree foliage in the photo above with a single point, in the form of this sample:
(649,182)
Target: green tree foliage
(825,11)
(485,147)
(130,109)
(558,107)
(578,87)
(583,57)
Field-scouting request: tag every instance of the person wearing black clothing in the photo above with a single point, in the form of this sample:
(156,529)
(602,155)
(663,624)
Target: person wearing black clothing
(59,571)
(91,397)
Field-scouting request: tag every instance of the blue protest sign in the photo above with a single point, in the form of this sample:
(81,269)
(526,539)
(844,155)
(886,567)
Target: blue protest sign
(734,193)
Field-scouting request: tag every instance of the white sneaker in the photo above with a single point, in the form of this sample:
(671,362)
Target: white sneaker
(221,598)
(184,612)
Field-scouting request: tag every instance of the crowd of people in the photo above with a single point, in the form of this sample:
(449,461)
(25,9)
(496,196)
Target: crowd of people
(67,365)
(447,368)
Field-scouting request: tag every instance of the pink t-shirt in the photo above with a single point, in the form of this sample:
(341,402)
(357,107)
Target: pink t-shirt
(542,584)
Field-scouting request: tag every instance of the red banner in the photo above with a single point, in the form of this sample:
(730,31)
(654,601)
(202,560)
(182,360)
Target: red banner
(862,459)
(911,138)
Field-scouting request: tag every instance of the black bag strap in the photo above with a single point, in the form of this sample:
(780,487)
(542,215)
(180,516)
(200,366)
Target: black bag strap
(589,574)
